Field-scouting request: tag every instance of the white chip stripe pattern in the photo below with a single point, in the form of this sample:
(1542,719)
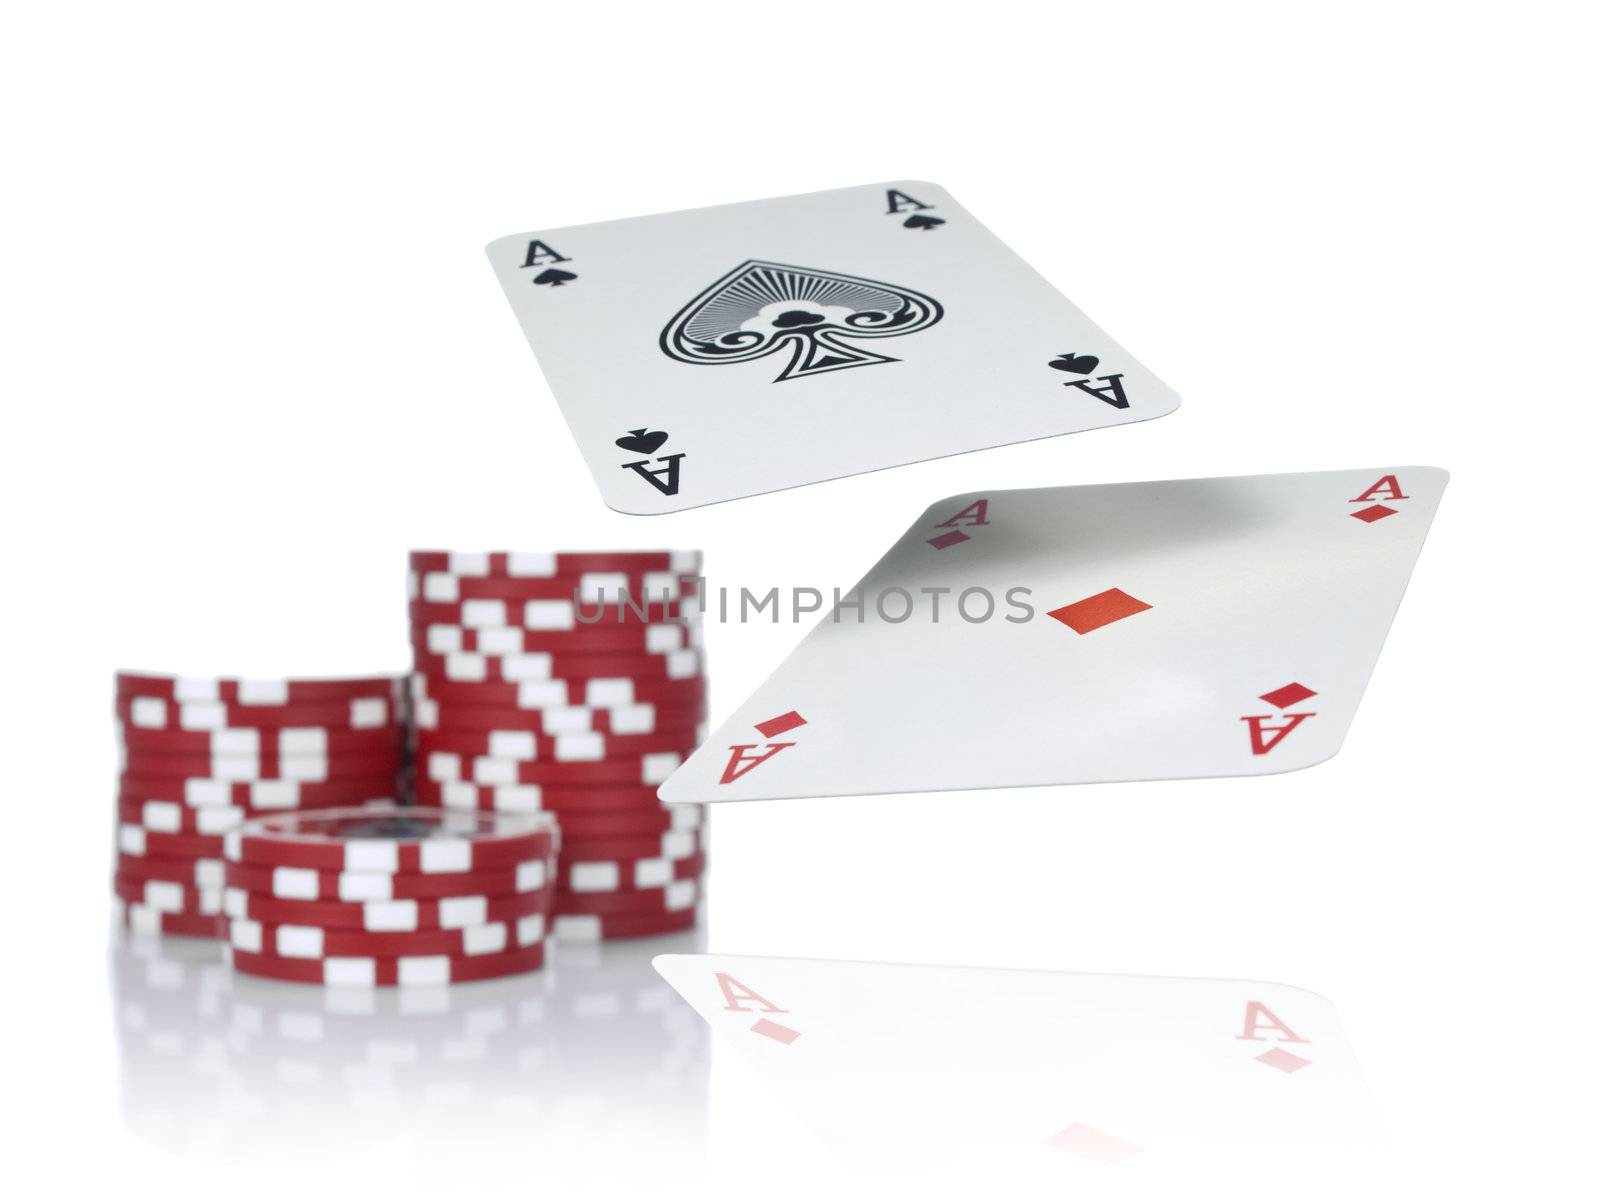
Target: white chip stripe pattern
(488,770)
(305,883)
(506,641)
(243,742)
(389,916)
(607,876)
(511,798)
(166,816)
(553,693)
(435,855)
(470,666)
(419,971)
(263,795)
(155,712)
(162,895)
(542,564)
(623,718)
(593,587)
(309,941)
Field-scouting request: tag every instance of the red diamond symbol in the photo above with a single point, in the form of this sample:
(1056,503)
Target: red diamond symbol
(778,1033)
(1103,608)
(780,724)
(945,540)
(1289,693)
(1376,513)
(1280,1059)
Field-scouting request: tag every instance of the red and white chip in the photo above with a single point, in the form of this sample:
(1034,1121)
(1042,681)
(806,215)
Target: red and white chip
(508,641)
(543,564)
(545,666)
(301,883)
(522,745)
(677,896)
(386,916)
(158,712)
(419,971)
(622,876)
(313,941)
(265,693)
(262,795)
(645,770)
(395,840)
(607,927)
(539,695)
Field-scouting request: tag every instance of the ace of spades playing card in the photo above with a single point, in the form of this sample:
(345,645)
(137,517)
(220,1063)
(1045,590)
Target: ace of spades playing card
(1134,631)
(724,352)
(1060,1072)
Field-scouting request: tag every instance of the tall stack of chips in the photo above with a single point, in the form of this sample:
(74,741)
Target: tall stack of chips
(385,896)
(199,757)
(570,683)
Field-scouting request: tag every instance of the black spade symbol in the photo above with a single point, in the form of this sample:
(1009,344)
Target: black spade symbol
(1077,364)
(797,319)
(643,441)
(919,221)
(554,276)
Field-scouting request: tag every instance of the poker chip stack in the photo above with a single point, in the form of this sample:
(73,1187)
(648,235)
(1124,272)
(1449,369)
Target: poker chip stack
(199,757)
(384,895)
(572,684)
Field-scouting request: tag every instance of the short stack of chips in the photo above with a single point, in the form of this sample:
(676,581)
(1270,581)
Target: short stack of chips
(199,757)
(386,896)
(571,683)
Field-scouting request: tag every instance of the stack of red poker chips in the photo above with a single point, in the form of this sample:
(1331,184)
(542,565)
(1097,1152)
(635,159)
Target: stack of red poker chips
(200,756)
(570,683)
(385,895)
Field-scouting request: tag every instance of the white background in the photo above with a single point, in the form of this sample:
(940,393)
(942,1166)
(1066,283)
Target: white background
(253,352)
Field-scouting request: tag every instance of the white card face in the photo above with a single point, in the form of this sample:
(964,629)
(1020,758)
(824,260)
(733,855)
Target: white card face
(1181,629)
(723,352)
(1045,1070)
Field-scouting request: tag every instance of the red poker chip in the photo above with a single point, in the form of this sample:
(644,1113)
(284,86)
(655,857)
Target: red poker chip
(684,843)
(261,693)
(562,801)
(273,795)
(299,883)
(197,716)
(268,745)
(174,818)
(147,767)
(422,971)
(587,877)
(139,918)
(564,615)
(198,872)
(166,895)
(603,823)
(679,896)
(388,916)
(514,564)
(315,942)
(650,770)
(629,587)
(526,746)
(395,840)
(610,692)
(543,666)
(610,927)
(655,638)
(134,840)
(624,720)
